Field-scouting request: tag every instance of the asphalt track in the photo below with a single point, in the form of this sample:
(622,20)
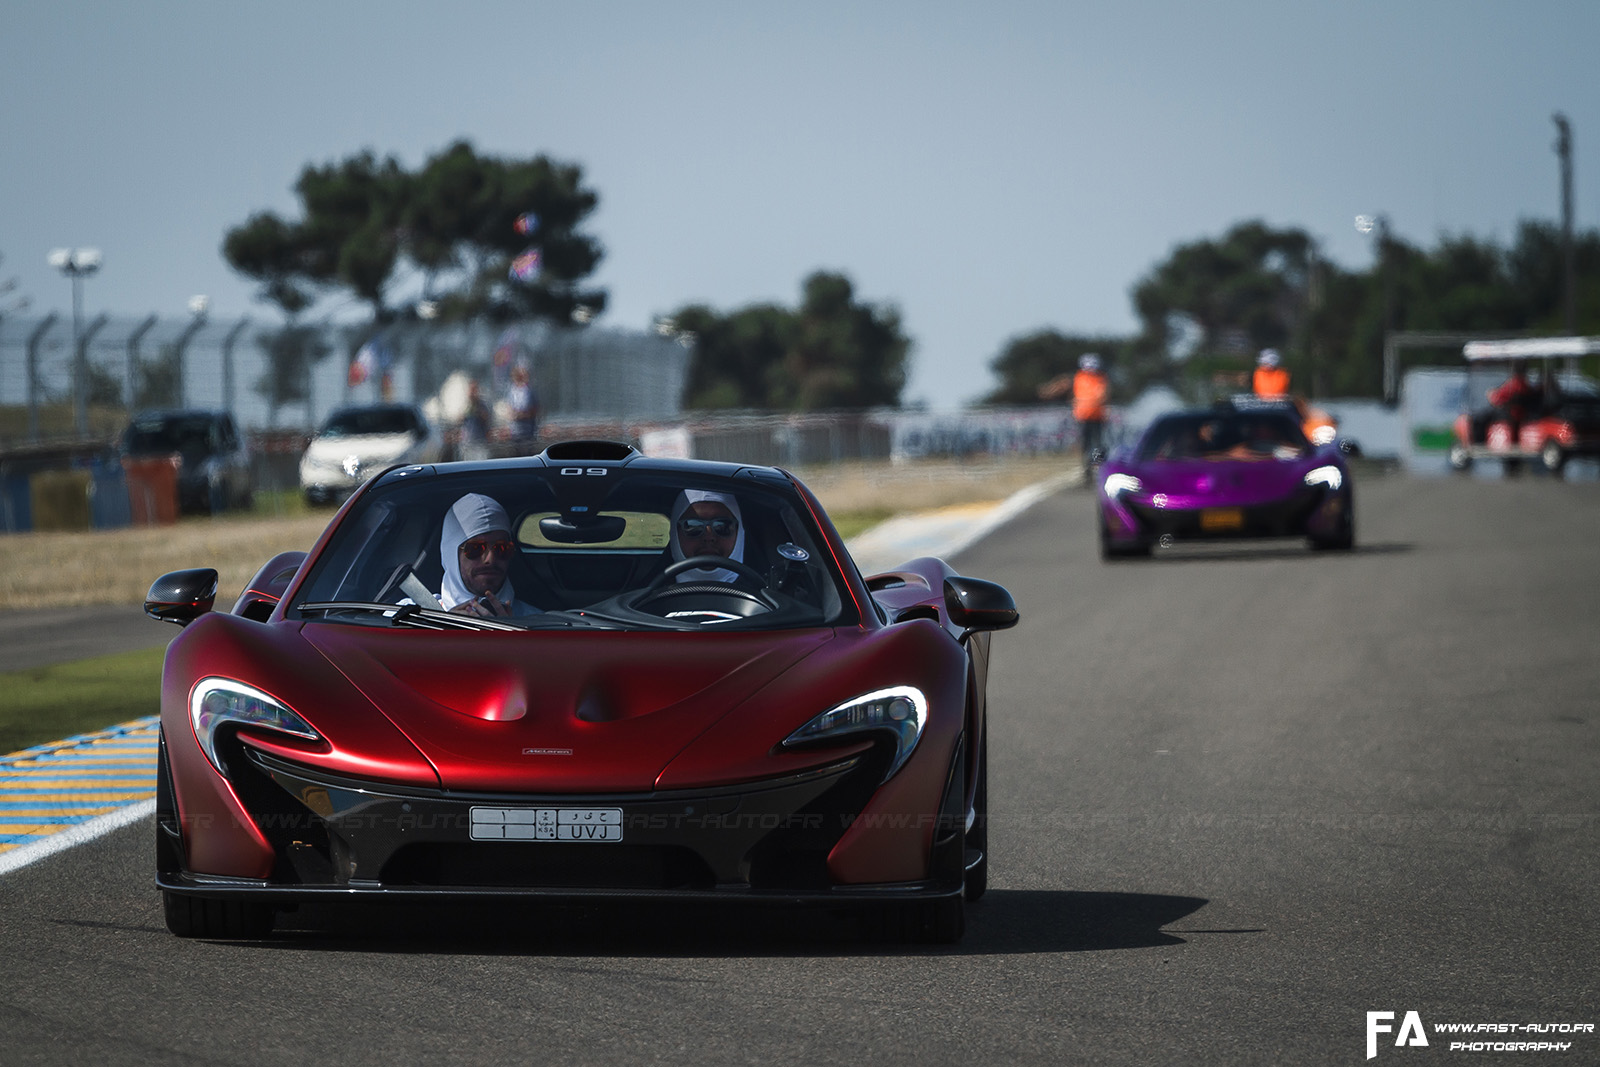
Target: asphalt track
(1242,797)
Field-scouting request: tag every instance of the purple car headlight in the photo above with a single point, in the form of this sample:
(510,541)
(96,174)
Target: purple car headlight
(216,701)
(900,711)
(1117,484)
(1330,476)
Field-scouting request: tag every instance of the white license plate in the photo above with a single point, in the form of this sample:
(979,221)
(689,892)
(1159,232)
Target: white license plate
(547,824)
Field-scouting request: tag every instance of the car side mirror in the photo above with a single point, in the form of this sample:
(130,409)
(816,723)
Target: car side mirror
(182,596)
(974,604)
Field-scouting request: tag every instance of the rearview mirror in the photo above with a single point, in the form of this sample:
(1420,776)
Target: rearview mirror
(582,529)
(974,604)
(182,596)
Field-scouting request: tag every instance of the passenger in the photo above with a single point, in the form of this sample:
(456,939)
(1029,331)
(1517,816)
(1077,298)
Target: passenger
(475,549)
(707,524)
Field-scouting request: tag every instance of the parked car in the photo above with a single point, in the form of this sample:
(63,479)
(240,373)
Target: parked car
(213,458)
(358,442)
(683,690)
(1242,469)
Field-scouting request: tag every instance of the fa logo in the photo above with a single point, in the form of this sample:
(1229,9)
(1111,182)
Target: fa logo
(1411,1032)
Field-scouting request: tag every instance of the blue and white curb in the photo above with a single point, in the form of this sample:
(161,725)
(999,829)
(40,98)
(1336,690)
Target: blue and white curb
(67,792)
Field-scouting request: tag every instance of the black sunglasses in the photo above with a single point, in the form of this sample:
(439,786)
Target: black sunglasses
(699,527)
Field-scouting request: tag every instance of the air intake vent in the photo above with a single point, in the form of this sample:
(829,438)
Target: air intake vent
(566,451)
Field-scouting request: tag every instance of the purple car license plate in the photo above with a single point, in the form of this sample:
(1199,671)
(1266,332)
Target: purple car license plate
(1221,519)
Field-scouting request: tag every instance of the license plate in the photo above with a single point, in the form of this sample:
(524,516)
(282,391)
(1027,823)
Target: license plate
(1221,519)
(547,824)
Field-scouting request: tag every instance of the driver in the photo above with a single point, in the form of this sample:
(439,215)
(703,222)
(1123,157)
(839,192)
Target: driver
(705,523)
(476,549)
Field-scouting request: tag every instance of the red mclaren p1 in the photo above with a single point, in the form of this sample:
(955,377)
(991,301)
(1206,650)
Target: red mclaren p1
(582,674)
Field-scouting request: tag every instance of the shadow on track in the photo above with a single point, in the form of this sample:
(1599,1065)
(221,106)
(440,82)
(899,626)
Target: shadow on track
(1234,552)
(1006,922)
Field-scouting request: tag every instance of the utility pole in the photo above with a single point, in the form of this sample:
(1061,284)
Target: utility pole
(1569,305)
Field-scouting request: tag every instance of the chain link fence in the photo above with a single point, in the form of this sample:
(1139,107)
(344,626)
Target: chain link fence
(55,385)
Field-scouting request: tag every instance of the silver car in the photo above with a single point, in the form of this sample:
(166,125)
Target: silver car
(357,442)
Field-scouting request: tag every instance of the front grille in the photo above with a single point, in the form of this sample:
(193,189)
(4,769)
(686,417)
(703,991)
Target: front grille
(547,866)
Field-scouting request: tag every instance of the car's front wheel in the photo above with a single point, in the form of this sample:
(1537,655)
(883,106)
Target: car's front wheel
(218,920)
(1552,457)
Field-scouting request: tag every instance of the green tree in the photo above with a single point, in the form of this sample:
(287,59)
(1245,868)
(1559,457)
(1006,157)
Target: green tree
(1028,363)
(832,352)
(363,217)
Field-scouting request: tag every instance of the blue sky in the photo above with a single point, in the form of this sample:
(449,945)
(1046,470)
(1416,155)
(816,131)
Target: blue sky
(990,170)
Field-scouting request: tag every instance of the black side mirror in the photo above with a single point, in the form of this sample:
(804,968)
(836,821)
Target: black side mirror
(182,596)
(974,604)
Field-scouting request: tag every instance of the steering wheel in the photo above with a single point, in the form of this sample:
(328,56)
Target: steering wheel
(659,589)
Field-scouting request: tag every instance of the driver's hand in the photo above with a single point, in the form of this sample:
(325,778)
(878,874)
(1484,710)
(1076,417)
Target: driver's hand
(486,607)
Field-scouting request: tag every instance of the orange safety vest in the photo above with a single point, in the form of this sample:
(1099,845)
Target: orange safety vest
(1271,381)
(1088,396)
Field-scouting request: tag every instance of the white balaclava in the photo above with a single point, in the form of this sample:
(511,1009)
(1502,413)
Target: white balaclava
(706,574)
(471,516)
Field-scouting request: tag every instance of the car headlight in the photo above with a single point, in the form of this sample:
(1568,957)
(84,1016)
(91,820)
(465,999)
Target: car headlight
(1122,483)
(1321,435)
(216,701)
(1330,476)
(900,711)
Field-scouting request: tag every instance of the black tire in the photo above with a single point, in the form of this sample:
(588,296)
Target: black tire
(977,842)
(1511,467)
(1345,539)
(1109,551)
(925,922)
(218,920)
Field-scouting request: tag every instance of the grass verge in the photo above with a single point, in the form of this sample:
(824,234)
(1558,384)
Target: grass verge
(43,704)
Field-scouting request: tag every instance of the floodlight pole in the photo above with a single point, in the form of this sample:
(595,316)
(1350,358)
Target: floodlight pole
(1569,304)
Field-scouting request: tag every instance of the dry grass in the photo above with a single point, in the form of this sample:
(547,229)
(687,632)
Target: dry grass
(117,566)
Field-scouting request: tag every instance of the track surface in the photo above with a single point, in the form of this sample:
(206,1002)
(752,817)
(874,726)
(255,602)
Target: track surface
(1242,796)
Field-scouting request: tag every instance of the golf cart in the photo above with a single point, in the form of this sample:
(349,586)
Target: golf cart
(1554,417)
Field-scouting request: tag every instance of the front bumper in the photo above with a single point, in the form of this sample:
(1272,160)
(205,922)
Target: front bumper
(343,838)
(1311,511)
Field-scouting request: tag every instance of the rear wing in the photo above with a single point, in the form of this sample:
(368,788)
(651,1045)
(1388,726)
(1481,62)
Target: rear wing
(1531,348)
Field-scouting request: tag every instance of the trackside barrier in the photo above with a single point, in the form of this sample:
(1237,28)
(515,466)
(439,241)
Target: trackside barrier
(108,495)
(16,509)
(60,500)
(152,490)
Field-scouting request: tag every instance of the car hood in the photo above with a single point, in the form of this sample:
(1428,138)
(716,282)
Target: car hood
(559,712)
(1204,483)
(372,448)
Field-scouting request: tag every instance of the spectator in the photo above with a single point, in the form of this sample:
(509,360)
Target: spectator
(1089,390)
(524,398)
(1271,379)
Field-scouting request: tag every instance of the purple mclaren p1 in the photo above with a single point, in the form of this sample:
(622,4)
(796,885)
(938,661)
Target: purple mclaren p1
(1239,470)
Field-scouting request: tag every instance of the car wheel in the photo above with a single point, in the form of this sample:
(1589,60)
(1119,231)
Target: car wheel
(929,922)
(219,920)
(1551,457)
(1110,550)
(977,843)
(1460,458)
(1344,538)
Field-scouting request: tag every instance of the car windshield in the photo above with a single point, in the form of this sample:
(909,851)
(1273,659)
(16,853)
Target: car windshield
(1225,435)
(359,422)
(593,547)
(189,434)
